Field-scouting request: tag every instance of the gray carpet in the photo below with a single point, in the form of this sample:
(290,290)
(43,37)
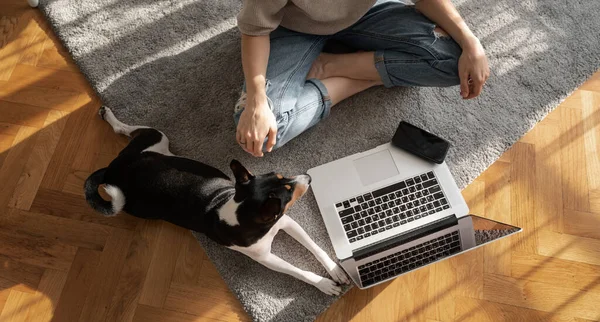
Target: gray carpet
(175,65)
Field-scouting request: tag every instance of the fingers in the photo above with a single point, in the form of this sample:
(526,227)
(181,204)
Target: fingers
(258,144)
(238,137)
(272,138)
(464,83)
(248,144)
(476,88)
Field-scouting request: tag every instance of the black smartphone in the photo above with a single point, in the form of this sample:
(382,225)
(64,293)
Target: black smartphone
(420,143)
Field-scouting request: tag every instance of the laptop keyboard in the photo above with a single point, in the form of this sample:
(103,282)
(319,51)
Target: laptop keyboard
(397,204)
(409,259)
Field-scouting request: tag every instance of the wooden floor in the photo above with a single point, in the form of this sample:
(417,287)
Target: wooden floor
(59,260)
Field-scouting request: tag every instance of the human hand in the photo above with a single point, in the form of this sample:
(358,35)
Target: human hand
(473,69)
(257,122)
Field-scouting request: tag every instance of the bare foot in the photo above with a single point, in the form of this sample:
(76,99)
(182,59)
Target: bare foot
(319,68)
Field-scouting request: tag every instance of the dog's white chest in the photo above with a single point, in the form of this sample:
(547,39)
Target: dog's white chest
(262,246)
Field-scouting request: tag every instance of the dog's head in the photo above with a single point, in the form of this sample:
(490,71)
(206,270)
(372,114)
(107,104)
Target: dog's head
(265,198)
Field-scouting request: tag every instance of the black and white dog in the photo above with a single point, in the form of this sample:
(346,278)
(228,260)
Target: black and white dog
(146,180)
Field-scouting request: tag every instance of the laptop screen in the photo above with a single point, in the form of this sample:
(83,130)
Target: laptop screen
(438,243)
(486,230)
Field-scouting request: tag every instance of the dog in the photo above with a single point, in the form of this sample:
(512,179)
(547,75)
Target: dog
(146,180)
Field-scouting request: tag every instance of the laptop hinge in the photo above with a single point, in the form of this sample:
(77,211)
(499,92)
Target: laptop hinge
(405,237)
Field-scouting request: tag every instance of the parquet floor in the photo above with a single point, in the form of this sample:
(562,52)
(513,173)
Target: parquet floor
(60,261)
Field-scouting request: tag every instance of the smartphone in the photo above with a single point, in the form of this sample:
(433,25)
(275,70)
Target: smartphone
(420,143)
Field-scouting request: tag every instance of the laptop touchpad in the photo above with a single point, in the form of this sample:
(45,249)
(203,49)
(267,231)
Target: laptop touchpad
(375,167)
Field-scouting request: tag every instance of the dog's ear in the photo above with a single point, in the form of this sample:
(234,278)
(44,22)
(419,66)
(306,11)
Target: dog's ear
(270,209)
(242,175)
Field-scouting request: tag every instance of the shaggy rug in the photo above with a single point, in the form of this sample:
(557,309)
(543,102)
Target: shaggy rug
(175,65)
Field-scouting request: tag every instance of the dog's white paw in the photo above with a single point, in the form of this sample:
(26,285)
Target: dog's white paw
(328,286)
(102,111)
(338,274)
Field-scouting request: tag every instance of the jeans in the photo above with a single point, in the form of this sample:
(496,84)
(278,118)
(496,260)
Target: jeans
(407,53)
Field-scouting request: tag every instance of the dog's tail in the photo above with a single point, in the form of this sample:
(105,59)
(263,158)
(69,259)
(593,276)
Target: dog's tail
(93,198)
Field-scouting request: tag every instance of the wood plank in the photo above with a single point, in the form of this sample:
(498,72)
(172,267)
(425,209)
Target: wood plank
(469,274)
(20,273)
(474,195)
(188,268)
(13,165)
(348,308)
(74,182)
(129,288)
(590,110)
(4,293)
(541,296)
(8,25)
(194,300)
(594,199)
(10,54)
(56,56)
(146,313)
(71,206)
(592,84)
(112,144)
(10,285)
(17,306)
(70,232)
(96,132)
(46,297)
(497,207)
(42,97)
(583,224)
(539,268)
(9,129)
(69,143)
(77,287)
(468,309)
(548,201)
(211,277)
(37,163)
(573,159)
(35,46)
(48,78)
(569,247)
(8,133)
(22,114)
(442,283)
(36,250)
(522,187)
(107,276)
(162,266)
(414,301)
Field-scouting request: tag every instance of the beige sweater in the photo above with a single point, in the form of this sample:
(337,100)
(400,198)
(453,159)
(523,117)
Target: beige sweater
(317,17)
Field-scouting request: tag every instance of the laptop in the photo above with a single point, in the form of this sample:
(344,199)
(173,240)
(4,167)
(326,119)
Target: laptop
(388,212)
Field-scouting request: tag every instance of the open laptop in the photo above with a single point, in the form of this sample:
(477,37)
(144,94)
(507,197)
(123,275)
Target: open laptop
(389,212)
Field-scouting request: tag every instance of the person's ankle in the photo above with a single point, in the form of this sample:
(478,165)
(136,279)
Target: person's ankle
(328,65)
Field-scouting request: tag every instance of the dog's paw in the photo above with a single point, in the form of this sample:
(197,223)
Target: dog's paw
(102,111)
(329,287)
(338,274)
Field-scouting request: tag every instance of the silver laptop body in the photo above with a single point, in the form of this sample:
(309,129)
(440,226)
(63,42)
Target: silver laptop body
(341,189)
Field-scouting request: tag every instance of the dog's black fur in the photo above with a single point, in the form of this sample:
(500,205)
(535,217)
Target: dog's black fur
(190,194)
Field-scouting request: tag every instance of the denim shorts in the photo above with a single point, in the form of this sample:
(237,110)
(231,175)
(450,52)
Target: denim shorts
(407,53)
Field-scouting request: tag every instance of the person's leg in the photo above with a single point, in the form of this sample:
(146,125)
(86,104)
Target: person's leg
(340,88)
(400,47)
(297,103)
(359,65)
